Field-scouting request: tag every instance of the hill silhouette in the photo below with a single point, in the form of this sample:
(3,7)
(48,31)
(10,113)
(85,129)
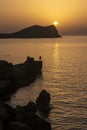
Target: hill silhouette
(35,31)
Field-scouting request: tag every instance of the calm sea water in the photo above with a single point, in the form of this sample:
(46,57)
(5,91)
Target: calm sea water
(64,75)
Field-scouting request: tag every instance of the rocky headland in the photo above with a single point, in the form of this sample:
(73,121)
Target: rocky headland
(13,77)
(35,31)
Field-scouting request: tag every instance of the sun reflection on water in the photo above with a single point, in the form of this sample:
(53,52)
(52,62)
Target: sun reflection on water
(56,54)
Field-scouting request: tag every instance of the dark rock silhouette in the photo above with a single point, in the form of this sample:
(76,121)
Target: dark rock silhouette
(42,102)
(16,125)
(35,31)
(13,77)
(23,117)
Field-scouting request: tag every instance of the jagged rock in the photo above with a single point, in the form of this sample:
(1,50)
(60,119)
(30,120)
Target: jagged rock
(23,117)
(43,101)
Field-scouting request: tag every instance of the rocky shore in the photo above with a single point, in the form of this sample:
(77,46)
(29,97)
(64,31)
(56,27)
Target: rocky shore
(13,77)
(33,116)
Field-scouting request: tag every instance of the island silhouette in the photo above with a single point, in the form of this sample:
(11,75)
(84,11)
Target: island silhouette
(35,31)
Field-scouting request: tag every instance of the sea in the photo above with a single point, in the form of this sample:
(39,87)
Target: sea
(64,76)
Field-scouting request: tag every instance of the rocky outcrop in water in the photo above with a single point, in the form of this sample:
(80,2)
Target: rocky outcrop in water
(35,31)
(26,117)
(13,77)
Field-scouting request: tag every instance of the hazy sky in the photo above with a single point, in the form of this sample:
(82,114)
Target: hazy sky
(18,14)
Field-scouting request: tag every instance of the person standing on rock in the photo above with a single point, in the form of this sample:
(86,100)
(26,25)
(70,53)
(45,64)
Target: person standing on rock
(40,58)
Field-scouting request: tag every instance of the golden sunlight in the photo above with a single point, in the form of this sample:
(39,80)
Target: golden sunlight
(55,23)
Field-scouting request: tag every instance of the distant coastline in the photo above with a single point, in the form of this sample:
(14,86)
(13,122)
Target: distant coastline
(35,31)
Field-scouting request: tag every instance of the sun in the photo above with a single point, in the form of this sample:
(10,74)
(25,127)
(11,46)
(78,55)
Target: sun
(55,23)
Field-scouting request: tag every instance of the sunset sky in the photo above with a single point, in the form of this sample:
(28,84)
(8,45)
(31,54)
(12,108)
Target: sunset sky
(70,14)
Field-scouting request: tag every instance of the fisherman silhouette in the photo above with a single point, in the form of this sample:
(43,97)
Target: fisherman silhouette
(40,58)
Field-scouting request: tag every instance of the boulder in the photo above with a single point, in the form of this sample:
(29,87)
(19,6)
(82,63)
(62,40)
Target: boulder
(43,101)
